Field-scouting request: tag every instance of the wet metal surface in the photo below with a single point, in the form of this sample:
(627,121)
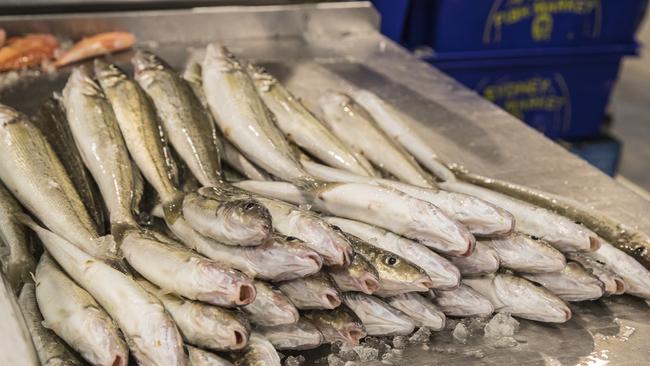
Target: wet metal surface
(336,46)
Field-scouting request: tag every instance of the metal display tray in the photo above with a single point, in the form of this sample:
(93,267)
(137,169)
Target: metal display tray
(317,47)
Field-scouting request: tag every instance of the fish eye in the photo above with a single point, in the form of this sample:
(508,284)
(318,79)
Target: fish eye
(291,238)
(249,206)
(391,261)
(335,227)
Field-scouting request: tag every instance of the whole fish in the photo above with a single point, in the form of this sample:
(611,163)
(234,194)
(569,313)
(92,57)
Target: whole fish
(573,283)
(559,231)
(186,122)
(35,176)
(150,332)
(462,302)
(303,128)
(233,158)
(521,298)
(379,206)
(359,276)
(259,352)
(395,124)
(421,310)
(178,270)
(312,230)
(522,253)
(312,292)
(244,119)
(300,336)
(18,262)
(52,121)
(396,275)
(340,325)
(270,308)
(614,284)
(484,260)
(51,349)
(199,357)
(379,318)
(349,121)
(76,317)
(480,217)
(442,273)
(201,324)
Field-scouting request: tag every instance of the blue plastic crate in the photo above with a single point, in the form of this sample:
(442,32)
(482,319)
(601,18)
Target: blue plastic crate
(457,25)
(603,152)
(393,17)
(560,92)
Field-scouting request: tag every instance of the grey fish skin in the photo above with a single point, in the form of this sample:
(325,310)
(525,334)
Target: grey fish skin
(573,283)
(76,317)
(101,145)
(359,276)
(35,176)
(259,352)
(348,121)
(51,349)
(379,318)
(290,220)
(484,260)
(300,336)
(421,310)
(303,128)
(244,119)
(201,324)
(614,284)
(199,357)
(241,164)
(271,307)
(187,124)
(522,253)
(521,298)
(462,302)
(312,292)
(340,325)
(18,262)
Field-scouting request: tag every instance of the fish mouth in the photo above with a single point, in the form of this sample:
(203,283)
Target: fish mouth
(594,243)
(246,294)
(353,334)
(567,313)
(368,284)
(346,257)
(619,287)
(424,283)
(239,339)
(331,300)
(316,259)
(118,361)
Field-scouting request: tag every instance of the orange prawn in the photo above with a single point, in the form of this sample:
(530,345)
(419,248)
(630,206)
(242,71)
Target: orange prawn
(99,44)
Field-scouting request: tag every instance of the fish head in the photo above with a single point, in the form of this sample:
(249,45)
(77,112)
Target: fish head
(220,57)
(292,257)
(527,300)
(228,329)
(342,250)
(110,350)
(282,310)
(228,286)
(108,74)
(400,273)
(81,80)
(144,60)
(157,341)
(246,218)
(338,325)
(360,275)
(262,79)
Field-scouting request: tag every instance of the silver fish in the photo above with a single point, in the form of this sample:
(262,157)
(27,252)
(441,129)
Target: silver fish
(76,317)
(573,283)
(241,164)
(522,253)
(420,309)
(243,118)
(340,325)
(312,292)
(379,318)
(270,308)
(17,262)
(300,336)
(462,302)
(484,260)
(521,298)
(614,284)
(359,276)
(199,357)
(259,352)
(349,121)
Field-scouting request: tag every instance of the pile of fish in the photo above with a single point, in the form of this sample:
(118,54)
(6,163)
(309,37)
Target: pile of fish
(210,218)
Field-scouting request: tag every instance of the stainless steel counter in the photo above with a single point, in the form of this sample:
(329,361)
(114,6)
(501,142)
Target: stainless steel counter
(336,46)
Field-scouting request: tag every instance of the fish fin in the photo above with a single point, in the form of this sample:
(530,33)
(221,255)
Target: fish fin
(27,220)
(309,184)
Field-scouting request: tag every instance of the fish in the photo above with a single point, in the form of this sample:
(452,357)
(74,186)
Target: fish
(521,253)
(233,158)
(300,336)
(271,307)
(96,45)
(75,316)
(97,135)
(203,325)
(380,206)
(614,284)
(303,128)
(396,275)
(50,349)
(199,357)
(420,309)
(312,292)
(573,283)
(243,118)
(559,231)
(259,352)
(319,236)
(176,269)
(521,298)
(484,260)
(229,215)
(35,176)
(379,318)
(187,123)
(150,332)
(396,125)
(349,121)
(340,325)
(480,217)
(27,51)
(443,274)
(17,262)
(462,301)
(359,276)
